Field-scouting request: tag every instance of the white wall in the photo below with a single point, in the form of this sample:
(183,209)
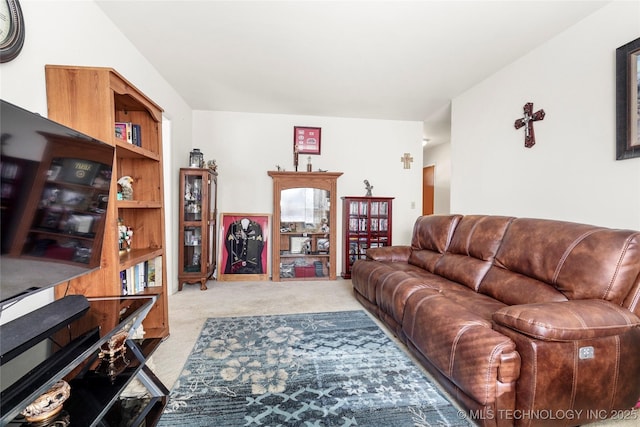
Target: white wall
(439,156)
(78,33)
(247,145)
(571,173)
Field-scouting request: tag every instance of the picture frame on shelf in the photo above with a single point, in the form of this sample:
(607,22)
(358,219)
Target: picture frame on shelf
(307,140)
(81,224)
(244,246)
(297,244)
(628,100)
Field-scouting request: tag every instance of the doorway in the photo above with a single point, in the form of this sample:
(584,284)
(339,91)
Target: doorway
(428,173)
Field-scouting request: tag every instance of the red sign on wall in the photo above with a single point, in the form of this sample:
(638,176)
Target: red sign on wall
(306,140)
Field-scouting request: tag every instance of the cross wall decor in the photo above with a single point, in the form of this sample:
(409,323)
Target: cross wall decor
(406,160)
(527,122)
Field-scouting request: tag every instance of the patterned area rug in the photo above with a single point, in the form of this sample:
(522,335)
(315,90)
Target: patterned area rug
(322,369)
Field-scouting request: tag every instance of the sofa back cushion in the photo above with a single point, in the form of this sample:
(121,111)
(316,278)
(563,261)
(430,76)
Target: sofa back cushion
(578,261)
(472,249)
(431,237)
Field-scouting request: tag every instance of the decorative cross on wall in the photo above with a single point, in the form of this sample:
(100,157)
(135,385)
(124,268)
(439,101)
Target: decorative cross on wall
(527,122)
(406,159)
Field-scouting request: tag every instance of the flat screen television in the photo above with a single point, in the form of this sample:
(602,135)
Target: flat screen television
(55,193)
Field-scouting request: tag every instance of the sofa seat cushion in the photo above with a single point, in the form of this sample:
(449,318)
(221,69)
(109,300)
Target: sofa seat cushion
(567,321)
(366,275)
(392,295)
(460,343)
(480,305)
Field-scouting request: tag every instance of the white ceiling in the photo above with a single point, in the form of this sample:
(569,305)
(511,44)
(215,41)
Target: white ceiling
(401,60)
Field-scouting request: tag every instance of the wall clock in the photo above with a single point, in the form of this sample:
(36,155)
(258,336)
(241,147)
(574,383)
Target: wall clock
(11,29)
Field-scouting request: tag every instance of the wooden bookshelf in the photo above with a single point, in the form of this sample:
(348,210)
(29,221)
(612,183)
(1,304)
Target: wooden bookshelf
(92,100)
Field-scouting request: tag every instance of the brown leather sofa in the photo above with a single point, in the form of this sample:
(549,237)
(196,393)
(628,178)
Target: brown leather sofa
(524,322)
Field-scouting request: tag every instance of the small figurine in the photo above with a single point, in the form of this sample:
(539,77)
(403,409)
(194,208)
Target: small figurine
(368,187)
(125,234)
(306,246)
(125,183)
(324,225)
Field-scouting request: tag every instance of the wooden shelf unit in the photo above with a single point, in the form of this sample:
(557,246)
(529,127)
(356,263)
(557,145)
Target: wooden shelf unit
(282,252)
(92,100)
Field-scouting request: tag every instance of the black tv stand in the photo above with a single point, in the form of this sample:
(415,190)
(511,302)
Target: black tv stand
(23,332)
(70,350)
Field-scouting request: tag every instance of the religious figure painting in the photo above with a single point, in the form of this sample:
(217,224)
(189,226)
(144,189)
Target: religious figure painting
(244,246)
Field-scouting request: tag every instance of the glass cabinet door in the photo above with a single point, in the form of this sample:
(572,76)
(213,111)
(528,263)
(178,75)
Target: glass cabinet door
(192,225)
(304,228)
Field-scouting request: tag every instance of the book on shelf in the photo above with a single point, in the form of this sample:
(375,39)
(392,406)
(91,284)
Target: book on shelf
(154,277)
(136,138)
(123,282)
(123,131)
(353,208)
(141,276)
(128,132)
(151,273)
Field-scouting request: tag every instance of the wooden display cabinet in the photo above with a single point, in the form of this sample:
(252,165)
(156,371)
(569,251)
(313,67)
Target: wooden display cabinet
(366,224)
(92,100)
(304,220)
(198,213)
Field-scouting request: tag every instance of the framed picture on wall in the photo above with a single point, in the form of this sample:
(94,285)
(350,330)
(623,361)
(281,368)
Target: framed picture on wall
(628,100)
(306,140)
(244,243)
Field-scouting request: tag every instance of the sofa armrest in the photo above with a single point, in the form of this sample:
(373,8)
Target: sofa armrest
(567,320)
(389,253)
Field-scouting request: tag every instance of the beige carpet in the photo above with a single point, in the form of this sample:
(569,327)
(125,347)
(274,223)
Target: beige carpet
(189,308)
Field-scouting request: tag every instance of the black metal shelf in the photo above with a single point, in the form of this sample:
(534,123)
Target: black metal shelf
(73,354)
